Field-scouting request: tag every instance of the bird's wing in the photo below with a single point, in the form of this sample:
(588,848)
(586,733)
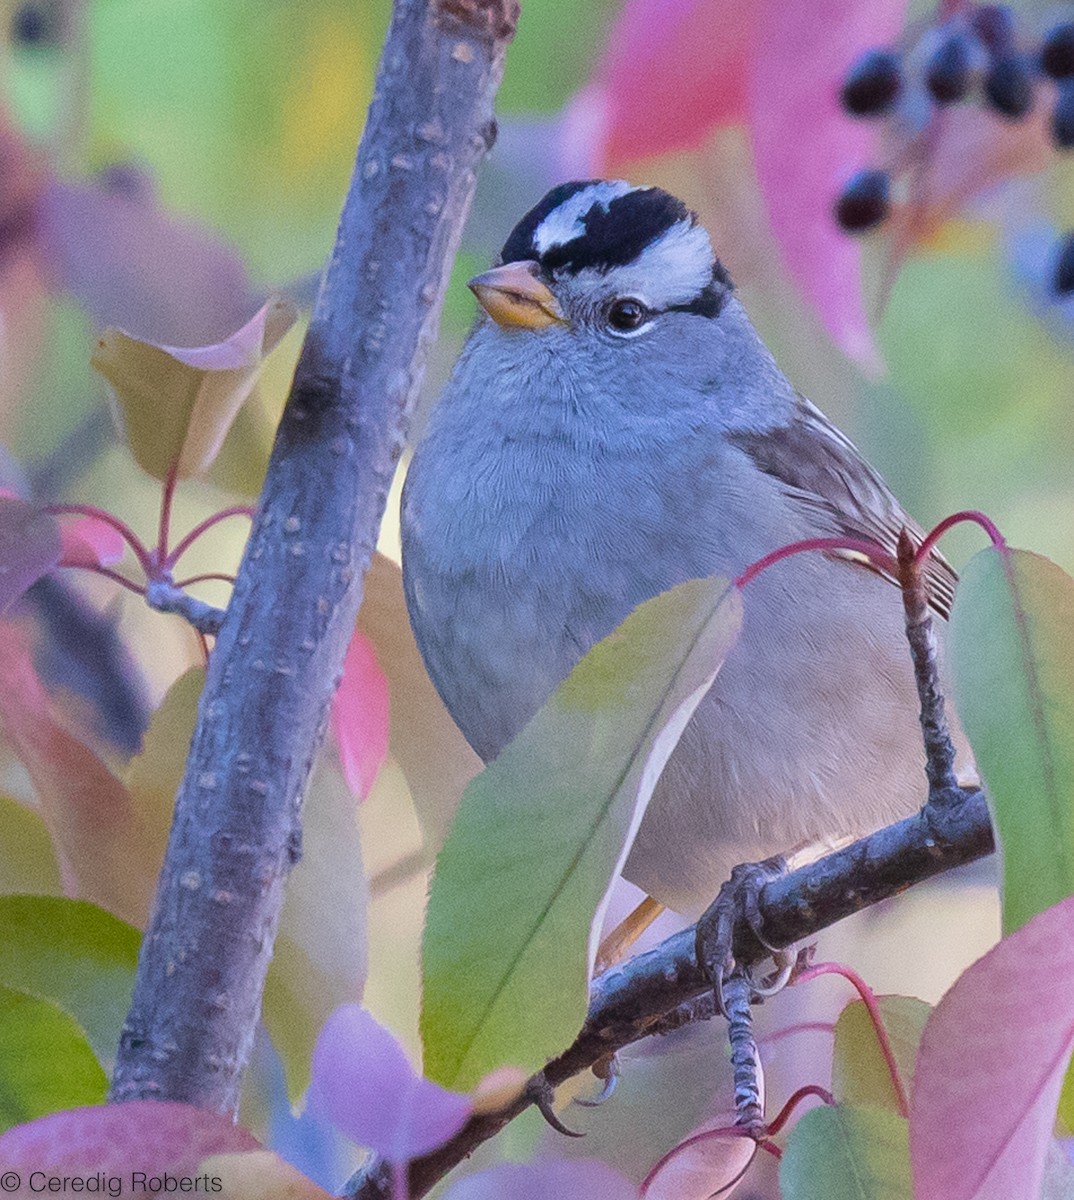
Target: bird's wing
(821,470)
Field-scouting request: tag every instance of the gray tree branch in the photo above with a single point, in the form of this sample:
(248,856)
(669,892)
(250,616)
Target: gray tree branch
(237,830)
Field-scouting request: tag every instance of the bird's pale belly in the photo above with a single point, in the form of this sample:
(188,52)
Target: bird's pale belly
(766,764)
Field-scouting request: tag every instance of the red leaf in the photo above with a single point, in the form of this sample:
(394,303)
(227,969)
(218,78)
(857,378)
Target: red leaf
(365,1085)
(90,542)
(710,1161)
(29,548)
(671,71)
(805,147)
(360,715)
(991,1065)
(143,1135)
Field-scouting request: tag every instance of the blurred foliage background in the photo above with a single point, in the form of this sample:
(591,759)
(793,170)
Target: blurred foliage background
(166,164)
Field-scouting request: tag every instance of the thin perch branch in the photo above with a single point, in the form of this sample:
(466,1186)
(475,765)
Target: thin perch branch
(236,832)
(939,750)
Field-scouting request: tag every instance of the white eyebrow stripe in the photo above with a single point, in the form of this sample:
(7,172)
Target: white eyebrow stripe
(674,270)
(564,224)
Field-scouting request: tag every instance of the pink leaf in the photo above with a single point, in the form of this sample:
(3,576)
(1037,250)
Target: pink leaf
(143,1135)
(246,347)
(90,542)
(806,147)
(555,1179)
(671,71)
(134,265)
(991,1065)
(711,1160)
(360,715)
(364,1084)
(29,548)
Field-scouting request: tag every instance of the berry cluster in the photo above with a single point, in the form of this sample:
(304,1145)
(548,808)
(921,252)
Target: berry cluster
(977,55)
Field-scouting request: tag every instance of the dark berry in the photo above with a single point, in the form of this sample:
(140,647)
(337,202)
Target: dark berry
(1063,276)
(1063,117)
(864,202)
(947,75)
(1057,52)
(872,84)
(994,25)
(37,23)
(1008,86)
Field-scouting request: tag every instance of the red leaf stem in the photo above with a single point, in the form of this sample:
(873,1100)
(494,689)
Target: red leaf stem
(217,576)
(239,510)
(978,518)
(869,1000)
(875,553)
(108,573)
(167,495)
(784,1115)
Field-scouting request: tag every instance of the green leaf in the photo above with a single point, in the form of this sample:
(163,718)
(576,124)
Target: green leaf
(27,859)
(860,1073)
(1014,687)
(543,830)
(74,954)
(46,1064)
(178,404)
(844,1152)
(228,105)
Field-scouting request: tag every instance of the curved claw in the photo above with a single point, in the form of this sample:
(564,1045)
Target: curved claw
(717,974)
(541,1094)
(786,964)
(611,1081)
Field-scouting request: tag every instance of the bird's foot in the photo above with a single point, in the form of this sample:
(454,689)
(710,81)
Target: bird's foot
(739,898)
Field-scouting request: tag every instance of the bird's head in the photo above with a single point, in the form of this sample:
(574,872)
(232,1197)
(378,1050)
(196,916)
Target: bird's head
(605,258)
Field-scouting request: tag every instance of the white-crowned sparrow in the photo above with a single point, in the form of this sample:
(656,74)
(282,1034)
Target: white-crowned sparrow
(613,427)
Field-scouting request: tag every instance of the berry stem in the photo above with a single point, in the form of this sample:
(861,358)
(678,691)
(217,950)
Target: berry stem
(875,553)
(100,514)
(978,518)
(239,510)
(869,999)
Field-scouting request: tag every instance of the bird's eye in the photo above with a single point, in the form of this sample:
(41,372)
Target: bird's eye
(627,314)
